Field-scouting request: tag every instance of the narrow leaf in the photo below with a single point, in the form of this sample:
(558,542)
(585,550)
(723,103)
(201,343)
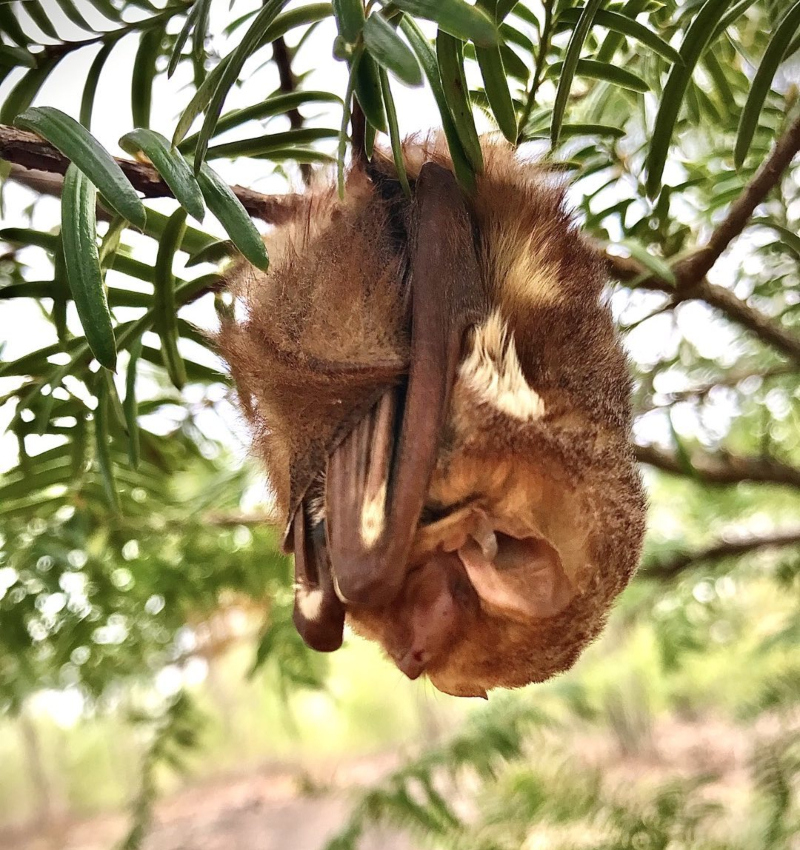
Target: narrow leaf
(694,43)
(263,145)
(427,59)
(275,105)
(164,304)
(230,74)
(13,57)
(79,236)
(394,133)
(90,86)
(349,16)
(76,143)
(454,85)
(233,217)
(103,446)
(390,51)
(26,89)
(617,22)
(571,58)
(602,71)
(495,83)
(368,90)
(199,101)
(762,82)
(171,165)
(468,23)
(144,73)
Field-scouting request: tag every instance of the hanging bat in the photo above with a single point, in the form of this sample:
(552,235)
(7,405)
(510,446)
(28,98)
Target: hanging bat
(442,405)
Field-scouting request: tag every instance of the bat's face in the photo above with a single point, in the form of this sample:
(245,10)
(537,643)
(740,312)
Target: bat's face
(500,586)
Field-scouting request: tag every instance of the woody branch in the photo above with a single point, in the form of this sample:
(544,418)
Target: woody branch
(690,273)
(674,565)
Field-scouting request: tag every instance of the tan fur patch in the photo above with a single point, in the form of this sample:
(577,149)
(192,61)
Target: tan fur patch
(309,602)
(493,372)
(372,516)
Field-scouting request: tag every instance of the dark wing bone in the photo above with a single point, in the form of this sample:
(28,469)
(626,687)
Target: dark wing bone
(376,488)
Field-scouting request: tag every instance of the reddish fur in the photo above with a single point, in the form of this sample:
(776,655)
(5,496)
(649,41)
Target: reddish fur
(334,297)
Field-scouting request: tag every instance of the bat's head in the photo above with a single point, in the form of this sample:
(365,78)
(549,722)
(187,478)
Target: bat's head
(531,527)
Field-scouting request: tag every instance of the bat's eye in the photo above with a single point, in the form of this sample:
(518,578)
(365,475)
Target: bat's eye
(435,511)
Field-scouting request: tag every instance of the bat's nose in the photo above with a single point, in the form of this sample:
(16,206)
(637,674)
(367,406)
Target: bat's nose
(413,662)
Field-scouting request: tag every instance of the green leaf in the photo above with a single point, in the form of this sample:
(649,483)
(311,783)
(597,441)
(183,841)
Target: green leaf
(368,90)
(275,105)
(468,23)
(571,59)
(263,145)
(71,11)
(495,83)
(602,71)
(694,43)
(79,236)
(26,89)
(39,16)
(76,143)
(390,51)
(394,133)
(349,16)
(164,305)
(454,85)
(171,165)
(144,73)
(341,148)
(569,131)
(617,22)
(103,446)
(9,25)
(285,22)
(198,102)
(233,217)
(427,59)
(230,73)
(90,86)
(13,57)
(655,265)
(196,25)
(762,82)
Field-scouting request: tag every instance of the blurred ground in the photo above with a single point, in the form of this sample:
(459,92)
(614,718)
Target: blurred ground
(281,808)
(272,809)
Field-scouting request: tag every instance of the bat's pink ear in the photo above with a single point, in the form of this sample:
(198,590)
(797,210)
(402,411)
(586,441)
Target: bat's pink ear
(522,578)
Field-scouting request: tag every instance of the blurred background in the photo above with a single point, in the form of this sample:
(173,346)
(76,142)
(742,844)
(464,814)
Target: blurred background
(153,692)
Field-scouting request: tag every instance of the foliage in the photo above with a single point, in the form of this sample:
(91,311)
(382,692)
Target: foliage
(128,534)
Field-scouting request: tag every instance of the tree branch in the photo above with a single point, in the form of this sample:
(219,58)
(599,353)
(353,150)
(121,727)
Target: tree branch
(625,269)
(35,157)
(690,273)
(675,564)
(288,83)
(721,468)
(695,267)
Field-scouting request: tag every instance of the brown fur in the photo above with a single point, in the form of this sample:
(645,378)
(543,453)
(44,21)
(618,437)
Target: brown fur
(325,332)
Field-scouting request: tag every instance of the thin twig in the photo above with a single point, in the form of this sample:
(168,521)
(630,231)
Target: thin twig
(288,83)
(626,269)
(676,564)
(541,61)
(694,268)
(36,157)
(720,468)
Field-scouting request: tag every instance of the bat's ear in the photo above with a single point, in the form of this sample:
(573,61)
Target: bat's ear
(522,578)
(371,530)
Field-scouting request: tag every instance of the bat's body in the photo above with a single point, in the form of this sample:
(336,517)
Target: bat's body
(442,406)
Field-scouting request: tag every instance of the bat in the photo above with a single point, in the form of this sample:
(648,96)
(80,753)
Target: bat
(436,389)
